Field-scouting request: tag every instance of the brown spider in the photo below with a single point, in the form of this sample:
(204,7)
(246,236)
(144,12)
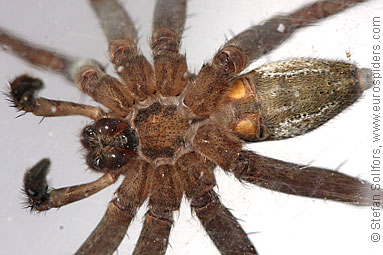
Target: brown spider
(166,154)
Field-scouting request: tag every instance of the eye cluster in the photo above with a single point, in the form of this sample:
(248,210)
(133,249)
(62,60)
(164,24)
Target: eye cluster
(110,142)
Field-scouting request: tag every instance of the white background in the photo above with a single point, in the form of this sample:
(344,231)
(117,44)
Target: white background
(278,223)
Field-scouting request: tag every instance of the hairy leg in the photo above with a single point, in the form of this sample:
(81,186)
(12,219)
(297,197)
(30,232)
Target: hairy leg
(303,180)
(218,145)
(226,151)
(86,73)
(108,234)
(214,78)
(221,226)
(165,198)
(154,235)
(259,40)
(41,198)
(22,96)
(130,64)
(114,20)
(40,57)
(104,89)
(170,66)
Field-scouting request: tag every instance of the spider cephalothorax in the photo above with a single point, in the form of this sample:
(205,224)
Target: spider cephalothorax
(156,129)
(163,130)
(166,129)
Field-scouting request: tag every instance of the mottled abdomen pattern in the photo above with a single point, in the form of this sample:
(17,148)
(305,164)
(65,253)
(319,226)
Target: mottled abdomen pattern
(292,97)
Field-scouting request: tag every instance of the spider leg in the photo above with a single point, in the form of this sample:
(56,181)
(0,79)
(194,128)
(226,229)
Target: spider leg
(303,180)
(154,235)
(165,198)
(40,198)
(108,234)
(218,145)
(213,79)
(114,20)
(133,68)
(222,227)
(225,150)
(22,95)
(170,66)
(196,175)
(104,89)
(37,56)
(259,40)
(87,74)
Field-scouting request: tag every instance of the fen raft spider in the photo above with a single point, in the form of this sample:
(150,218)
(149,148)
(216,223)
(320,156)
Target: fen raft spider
(134,115)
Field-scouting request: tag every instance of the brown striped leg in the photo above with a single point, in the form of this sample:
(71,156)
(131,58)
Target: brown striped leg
(258,40)
(305,181)
(108,234)
(86,73)
(225,150)
(104,89)
(169,65)
(40,198)
(221,226)
(218,145)
(155,233)
(237,53)
(22,96)
(165,198)
(114,20)
(33,54)
(36,55)
(135,71)
(196,174)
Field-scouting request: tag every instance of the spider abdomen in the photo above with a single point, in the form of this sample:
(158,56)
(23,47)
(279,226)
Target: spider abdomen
(292,97)
(297,96)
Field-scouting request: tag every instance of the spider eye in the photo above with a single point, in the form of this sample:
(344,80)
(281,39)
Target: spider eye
(88,137)
(111,144)
(95,162)
(88,132)
(114,159)
(106,126)
(129,140)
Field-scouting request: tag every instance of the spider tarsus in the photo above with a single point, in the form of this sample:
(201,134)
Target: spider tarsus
(36,185)
(23,90)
